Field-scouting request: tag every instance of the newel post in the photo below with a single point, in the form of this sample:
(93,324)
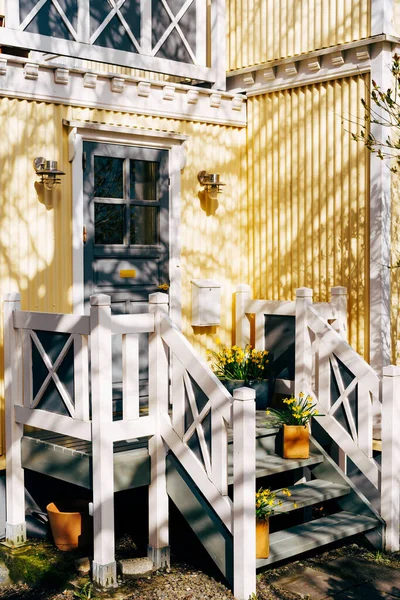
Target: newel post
(303,352)
(158,549)
(390,474)
(242,323)
(15,486)
(244,482)
(104,565)
(339,300)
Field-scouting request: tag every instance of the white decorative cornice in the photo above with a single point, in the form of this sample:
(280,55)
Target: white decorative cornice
(31,71)
(61,76)
(192,96)
(248,79)
(269,74)
(215,100)
(90,81)
(363,54)
(314,65)
(337,59)
(237,102)
(143,89)
(117,85)
(105,91)
(168,92)
(291,69)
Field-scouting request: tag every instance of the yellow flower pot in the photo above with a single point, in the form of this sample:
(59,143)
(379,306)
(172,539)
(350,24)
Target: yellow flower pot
(296,441)
(262,538)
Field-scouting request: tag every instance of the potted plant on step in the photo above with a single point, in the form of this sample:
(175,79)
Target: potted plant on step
(266,501)
(295,418)
(237,367)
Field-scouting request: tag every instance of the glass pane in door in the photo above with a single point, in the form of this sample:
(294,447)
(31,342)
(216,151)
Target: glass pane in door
(108,223)
(108,177)
(143,225)
(143,176)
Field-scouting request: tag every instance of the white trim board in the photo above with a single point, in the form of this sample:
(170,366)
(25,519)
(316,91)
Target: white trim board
(175,144)
(54,83)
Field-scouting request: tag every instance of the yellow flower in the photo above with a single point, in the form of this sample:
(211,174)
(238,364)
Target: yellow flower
(217,340)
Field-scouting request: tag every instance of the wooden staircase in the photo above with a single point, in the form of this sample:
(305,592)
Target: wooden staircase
(313,482)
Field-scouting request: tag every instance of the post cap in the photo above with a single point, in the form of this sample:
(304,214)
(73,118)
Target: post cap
(244,393)
(391,371)
(100,300)
(12,297)
(304,292)
(339,290)
(158,298)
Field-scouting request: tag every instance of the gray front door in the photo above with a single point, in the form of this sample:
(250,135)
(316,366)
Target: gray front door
(126,251)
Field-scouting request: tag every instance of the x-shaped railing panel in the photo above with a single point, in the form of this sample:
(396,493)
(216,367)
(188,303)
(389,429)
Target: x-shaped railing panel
(52,373)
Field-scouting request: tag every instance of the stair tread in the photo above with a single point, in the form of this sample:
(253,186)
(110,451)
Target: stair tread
(304,537)
(270,464)
(309,493)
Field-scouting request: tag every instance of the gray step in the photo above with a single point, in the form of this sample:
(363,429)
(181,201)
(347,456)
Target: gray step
(305,537)
(271,464)
(310,493)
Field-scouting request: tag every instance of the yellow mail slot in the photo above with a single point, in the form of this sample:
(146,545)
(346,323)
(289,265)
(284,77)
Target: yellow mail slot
(127,273)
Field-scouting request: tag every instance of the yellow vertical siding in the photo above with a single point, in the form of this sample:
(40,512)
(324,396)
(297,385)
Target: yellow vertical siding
(308,188)
(262,30)
(35,232)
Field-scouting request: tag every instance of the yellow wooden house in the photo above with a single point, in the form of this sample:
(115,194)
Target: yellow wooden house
(134,99)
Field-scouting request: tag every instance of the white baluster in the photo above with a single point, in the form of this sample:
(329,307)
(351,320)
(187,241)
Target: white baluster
(15,492)
(158,549)
(303,354)
(104,565)
(390,474)
(244,468)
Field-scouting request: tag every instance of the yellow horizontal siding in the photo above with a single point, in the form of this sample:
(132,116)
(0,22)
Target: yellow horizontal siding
(263,30)
(308,187)
(35,232)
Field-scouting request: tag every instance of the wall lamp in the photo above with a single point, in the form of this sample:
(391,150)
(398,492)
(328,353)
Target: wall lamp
(210,181)
(47,170)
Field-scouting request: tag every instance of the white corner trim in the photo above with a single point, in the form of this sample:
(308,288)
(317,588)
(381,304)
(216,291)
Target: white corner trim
(380,228)
(176,144)
(382,17)
(76,87)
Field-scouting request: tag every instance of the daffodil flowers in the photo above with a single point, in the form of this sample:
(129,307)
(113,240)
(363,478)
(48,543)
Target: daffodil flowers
(297,411)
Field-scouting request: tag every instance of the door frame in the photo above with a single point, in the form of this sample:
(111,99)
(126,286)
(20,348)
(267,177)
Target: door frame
(176,146)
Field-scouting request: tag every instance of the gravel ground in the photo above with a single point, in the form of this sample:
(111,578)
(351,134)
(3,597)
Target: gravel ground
(184,582)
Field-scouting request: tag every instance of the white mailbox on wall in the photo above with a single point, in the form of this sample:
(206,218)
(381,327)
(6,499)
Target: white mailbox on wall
(206,302)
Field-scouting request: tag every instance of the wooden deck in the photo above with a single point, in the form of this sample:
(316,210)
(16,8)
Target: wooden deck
(70,459)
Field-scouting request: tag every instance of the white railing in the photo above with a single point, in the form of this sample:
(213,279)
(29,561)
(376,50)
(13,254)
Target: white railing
(85,411)
(347,390)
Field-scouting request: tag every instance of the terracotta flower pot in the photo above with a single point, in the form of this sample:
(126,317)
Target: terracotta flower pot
(296,441)
(66,527)
(262,538)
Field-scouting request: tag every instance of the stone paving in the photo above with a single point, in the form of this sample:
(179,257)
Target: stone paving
(345,578)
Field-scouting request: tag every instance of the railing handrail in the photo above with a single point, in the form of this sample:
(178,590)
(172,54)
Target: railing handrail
(319,325)
(198,369)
